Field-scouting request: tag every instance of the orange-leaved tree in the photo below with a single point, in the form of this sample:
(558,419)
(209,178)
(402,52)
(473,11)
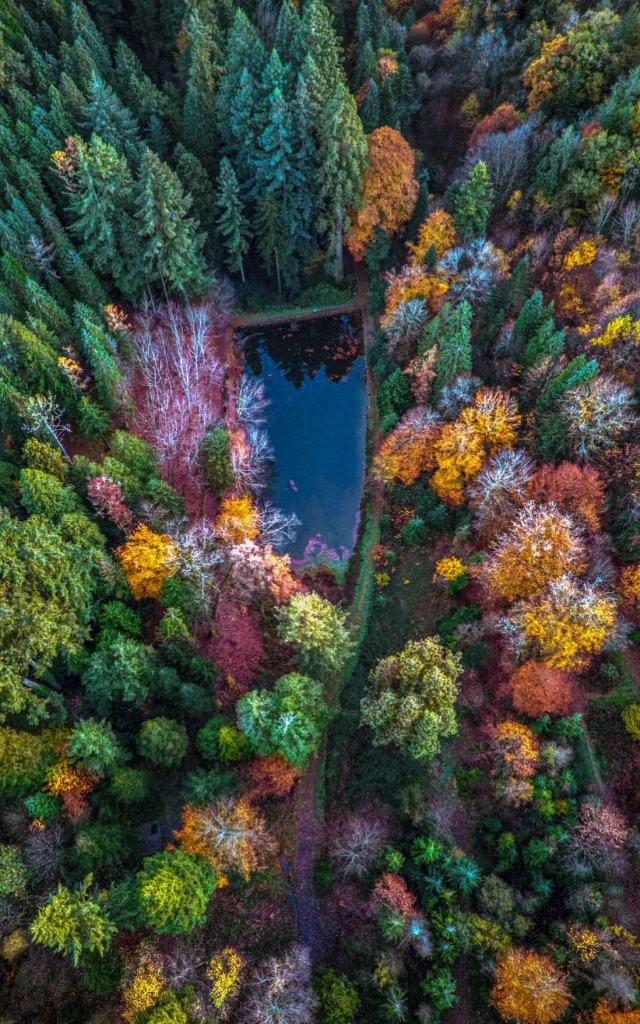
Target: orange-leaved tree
(577,490)
(148,560)
(565,625)
(481,430)
(516,749)
(412,282)
(238,520)
(390,189)
(230,835)
(409,450)
(542,545)
(529,988)
(437,234)
(537,689)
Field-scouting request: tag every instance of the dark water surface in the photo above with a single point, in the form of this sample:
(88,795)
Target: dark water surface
(314,378)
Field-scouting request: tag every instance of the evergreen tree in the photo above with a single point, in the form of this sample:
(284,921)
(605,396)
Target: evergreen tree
(454,343)
(200,115)
(342,159)
(170,242)
(271,234)
(195,178)
(233,225)
(370,111)
(320,42)
(107,117)
(100,207)
(244,51)
(241,143)
(473,203)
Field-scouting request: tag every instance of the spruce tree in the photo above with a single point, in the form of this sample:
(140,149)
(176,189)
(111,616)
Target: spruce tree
(370,110)
(342,159)
(200,114)
(271,234)
(320,41)
(100,208)
(473,203)
(107,117)
(233,225)
(244,51)
(170,242)
(454,344)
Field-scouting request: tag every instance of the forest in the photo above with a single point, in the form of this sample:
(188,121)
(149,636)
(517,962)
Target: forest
(393,783)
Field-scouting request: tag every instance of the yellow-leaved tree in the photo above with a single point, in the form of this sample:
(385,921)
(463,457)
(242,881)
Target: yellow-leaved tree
(148,560)
(529,988)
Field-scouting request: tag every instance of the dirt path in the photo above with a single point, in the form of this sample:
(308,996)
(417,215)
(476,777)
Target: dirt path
(241,321)
(308,807)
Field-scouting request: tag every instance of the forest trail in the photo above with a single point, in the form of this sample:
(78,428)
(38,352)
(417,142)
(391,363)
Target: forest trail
(308,807)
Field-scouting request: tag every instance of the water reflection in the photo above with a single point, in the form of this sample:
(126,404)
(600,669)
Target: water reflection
(314,378)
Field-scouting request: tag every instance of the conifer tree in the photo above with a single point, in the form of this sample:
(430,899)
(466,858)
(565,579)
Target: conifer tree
(107,117)
(244,51)
(100,207)
(205,59)
(453,335)
(319,40)
(342,157)
(233,225)
(171,244)
(271,234)
(473,203)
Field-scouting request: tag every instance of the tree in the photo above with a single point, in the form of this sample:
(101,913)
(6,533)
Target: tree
(238,648)
(147,560)
(481,430)
(94,745)
(163,741)
(317,630)
(74,922)
(599,841)
(288,720)
(436,236)
(390,189)
(100,201)
(342,159)
(500,489)
(46,589)
(205,68)
(231,835)
(537,689)
(563,626)
(577,490)
(473,203)
(516,748)
(452,327)
(412,696)
(541,545)
(409,450)
(271,776)
(24,759)
(224,971)
(597,415)
(109,119)
(281,992)
(233,225)
(171,247)
(120,670)
(173,891)
(529,988)
(338,1000)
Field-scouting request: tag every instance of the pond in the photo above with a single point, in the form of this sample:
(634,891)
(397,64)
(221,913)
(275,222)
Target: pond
(314,379)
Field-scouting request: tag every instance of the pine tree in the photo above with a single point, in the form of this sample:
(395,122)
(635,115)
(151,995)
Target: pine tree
(233,225)
(195,178)
(287,41)
(136,88)
(241,143)
(473,203)
(343,157)
(171,244)
(200,115)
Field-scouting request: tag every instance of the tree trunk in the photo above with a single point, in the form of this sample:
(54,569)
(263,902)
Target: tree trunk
(278,273)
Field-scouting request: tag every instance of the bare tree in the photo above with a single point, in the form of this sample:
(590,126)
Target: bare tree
(356,844)
(281,991)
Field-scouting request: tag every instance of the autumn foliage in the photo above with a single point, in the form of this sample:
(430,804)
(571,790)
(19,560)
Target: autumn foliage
(237,520)
(147,561)
(529,988)
(537,689)
(541,546)
(578,490)
(409,450)
(437,233)
(503,119)
(271,776)
(516,748)
(230,835)
(390,189)
(481,430)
